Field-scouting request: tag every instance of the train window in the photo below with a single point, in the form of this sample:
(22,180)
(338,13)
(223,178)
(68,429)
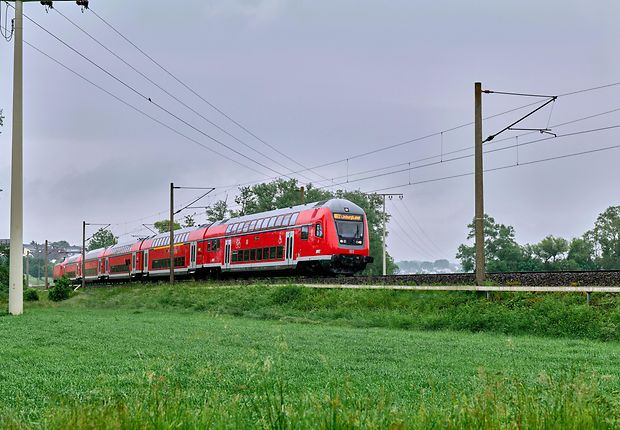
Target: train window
(304,232)
(208,246)
(318,230)
(259,254)
(217,244)
(246,255)
(252,225)
(280,252)
(252,254)
(265,253)
(272,253)
(294,218)
(234,256)
(272,221)
(279,221)
(286,220)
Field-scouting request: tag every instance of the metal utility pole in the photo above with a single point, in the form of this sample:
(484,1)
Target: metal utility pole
(173,213)
(171,233)
(47,285)
(83,254)
(302,195)
(390,196)
(16,264)
(16,271)
(479,216)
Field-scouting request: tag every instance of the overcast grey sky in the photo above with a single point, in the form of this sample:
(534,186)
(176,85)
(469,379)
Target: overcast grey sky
(321,81)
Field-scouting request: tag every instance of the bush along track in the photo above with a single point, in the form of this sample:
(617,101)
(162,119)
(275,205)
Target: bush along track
(551,315)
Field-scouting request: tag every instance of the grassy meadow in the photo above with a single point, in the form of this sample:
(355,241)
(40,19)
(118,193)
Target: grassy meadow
(205,356)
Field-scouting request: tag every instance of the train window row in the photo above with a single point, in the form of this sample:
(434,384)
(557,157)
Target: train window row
(258,254)
(121,268)
(163,241)
(263,223)
(164,263)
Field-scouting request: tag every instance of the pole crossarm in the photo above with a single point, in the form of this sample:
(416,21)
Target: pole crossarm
(195,201)
(510,127)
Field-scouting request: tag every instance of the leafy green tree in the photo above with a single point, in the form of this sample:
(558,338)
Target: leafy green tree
(503,253)
(62,244)
(188,221)
(581,254)
(102,238)
(277,194)
(606,236)
(217,211)
(551,249)
(164,225)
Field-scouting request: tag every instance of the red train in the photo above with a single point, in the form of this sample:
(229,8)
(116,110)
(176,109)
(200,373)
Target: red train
(325,237)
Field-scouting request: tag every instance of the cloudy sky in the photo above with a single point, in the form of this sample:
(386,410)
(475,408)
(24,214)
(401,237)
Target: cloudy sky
(321,82)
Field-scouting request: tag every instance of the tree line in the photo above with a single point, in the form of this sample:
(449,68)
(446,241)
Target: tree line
(597,249)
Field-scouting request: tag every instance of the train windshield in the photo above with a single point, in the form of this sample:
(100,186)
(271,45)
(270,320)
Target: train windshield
(350,232)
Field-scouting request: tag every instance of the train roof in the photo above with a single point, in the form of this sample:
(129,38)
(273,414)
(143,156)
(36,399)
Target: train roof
(335,205)
(73,258)
(95,253)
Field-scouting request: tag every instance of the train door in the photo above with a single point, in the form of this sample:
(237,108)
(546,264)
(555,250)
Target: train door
(192,256)
(98,267)
(133,263)
(290,241)
(107,265)
(145,263)
(227,249)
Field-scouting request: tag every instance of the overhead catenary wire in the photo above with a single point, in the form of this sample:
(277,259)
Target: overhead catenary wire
(149,99)
(138,109)
(209,103)
(432,243)
(462,157)
(411,242)
(423,246)
(177,99)
(461,175)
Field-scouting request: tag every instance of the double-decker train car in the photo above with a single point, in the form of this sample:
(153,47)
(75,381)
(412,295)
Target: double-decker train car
(324,237)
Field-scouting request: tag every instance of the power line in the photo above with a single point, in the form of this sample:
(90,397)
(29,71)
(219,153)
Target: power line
(217,109)
(424,234)
(462,157)
(456,151)
(422,246)
(169,93)
(138,109)
(439,133)
(146,98)
(559,157)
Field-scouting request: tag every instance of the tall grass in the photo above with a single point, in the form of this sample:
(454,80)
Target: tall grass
(501,403)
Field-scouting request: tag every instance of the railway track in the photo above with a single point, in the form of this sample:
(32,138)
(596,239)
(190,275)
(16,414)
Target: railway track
(603,278)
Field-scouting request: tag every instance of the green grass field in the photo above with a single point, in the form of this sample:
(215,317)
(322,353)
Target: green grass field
(259,357)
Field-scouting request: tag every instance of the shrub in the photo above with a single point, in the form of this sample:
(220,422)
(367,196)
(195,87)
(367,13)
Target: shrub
(31,295)
(61,290)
